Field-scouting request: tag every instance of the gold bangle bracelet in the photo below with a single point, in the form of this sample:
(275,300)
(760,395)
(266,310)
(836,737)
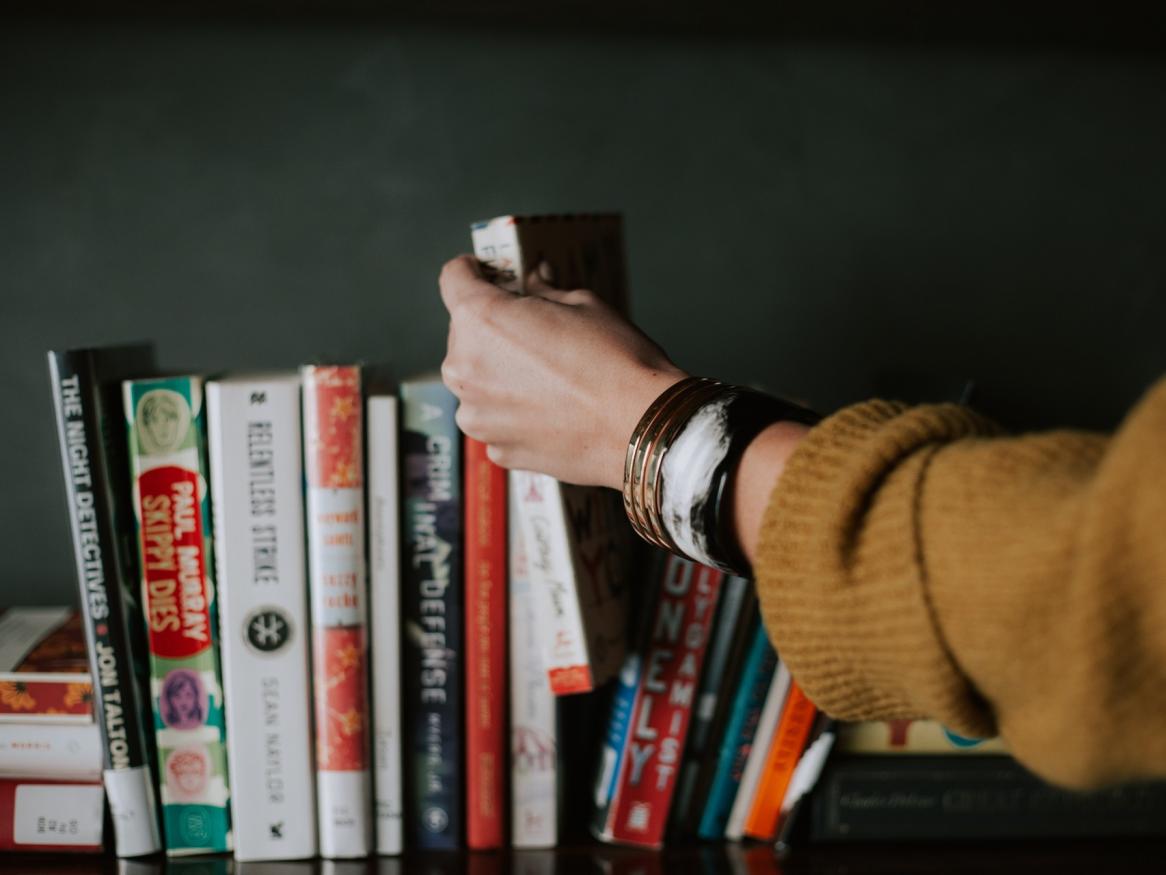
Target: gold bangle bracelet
(633,468)
(679,414)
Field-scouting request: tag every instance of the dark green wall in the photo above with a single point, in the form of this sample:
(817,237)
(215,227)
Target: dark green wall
(832,221)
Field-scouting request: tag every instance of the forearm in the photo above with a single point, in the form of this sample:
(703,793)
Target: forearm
(913,564)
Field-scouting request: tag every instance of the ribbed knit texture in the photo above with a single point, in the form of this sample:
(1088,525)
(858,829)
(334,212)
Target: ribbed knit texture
(915,563)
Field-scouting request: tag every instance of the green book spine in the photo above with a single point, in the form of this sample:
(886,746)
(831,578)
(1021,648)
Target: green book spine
(168,466)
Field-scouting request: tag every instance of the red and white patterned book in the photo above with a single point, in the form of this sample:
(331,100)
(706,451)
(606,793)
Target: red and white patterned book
(485,580)
(44,668)
(334,465)
(59,817)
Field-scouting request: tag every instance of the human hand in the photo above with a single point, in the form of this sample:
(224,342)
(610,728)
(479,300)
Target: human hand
(553,381)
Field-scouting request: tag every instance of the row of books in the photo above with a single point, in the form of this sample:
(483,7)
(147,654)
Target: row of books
(320,621)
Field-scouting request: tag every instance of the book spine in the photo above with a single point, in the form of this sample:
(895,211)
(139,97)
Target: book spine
(485,647)
(544,532)
(758,752)
(533,736)
(41,815)
(258,514)
(734,603)
(748,700)
(615,742)
(334,468)
(46,698)
(911,737)
(902,798)
(168,463)
(384,523)
(667,690)
(87,451)
(60,752)
(433,621)
(788,743)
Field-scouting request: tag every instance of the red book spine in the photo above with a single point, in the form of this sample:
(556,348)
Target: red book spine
(485,581)
(334,468)
(51,816)
(681,624)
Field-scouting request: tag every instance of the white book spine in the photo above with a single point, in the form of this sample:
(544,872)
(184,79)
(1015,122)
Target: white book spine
(533,764)
(59,752)
(385,618)
(541,519)
(758,752)
(257,503)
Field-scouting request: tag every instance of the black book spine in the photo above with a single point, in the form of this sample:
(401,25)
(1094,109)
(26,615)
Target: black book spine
(96,473)
(433,616)
(902,797)
(727,645)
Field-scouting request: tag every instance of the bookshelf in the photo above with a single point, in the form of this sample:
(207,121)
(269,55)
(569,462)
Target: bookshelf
(171,171)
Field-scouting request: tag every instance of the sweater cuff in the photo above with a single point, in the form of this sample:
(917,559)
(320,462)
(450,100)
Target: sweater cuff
(840,572)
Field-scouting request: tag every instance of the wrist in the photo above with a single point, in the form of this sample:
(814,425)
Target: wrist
(683,462)
(644,387)
(756,477)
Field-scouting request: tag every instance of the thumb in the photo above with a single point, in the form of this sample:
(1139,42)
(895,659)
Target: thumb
(461,280)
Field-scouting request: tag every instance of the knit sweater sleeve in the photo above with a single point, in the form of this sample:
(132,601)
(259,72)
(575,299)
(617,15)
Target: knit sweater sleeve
(915,563)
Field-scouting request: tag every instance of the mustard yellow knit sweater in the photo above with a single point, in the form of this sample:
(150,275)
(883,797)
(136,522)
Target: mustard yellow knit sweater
(913,562)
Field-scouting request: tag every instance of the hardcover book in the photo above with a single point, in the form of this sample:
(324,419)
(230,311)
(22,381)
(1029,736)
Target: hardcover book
(533,735)
(576,537)
(384,532)
(758,752)
(166,423)
(736,742)
(730,640)
(258,511)
(42,815)
(44,667)
(677,637)
(485,647)
(334,468)
(61,752)
(901,798)
(432,605)
(793,731)
(90,428)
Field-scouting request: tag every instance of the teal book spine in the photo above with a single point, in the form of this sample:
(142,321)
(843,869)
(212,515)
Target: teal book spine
(756,674)
(168,467)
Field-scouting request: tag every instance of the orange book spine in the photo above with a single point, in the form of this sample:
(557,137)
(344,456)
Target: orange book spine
(797,718)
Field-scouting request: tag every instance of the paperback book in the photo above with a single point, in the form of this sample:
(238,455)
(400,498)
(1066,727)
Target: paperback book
(166,423)
(86,386)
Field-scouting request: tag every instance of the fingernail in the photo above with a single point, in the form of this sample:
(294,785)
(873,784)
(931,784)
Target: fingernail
(545,272)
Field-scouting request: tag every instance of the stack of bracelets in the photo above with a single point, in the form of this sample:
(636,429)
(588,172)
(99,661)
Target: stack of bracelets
(680,463)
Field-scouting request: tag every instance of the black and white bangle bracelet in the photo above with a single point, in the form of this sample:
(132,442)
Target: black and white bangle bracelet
(680,463)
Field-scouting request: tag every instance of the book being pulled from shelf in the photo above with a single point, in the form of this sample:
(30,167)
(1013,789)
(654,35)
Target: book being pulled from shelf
(576,537)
